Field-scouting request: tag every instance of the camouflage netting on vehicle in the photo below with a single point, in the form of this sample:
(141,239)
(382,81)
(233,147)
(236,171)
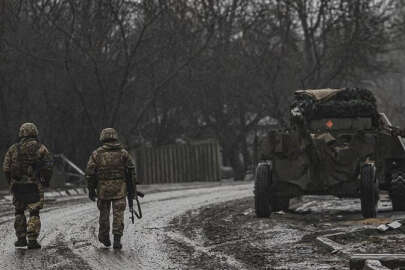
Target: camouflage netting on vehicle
(349,102)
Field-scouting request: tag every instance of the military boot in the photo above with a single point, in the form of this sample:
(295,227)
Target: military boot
(33,244)
(21,242)
(105,241)
(117,241)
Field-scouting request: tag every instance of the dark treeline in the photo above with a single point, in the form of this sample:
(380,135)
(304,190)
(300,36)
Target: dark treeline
(163,70)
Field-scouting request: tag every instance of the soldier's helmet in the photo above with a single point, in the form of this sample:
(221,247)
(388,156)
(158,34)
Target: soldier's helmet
(108,134)
(28,130)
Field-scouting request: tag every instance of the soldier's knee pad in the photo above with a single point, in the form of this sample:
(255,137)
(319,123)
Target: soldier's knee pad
(19,212)
(34,213)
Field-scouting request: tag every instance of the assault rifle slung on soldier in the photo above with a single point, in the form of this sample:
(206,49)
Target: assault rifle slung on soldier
(133,194)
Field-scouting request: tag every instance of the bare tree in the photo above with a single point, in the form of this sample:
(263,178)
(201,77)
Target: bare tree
(190,69)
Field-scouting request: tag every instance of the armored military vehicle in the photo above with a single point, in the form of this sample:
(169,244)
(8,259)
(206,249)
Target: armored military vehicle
(337,144)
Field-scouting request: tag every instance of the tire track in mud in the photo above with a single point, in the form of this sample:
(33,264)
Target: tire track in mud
(231,230)
(222,259)
(154,227)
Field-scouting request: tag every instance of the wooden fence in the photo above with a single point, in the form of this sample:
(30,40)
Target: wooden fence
(178,163)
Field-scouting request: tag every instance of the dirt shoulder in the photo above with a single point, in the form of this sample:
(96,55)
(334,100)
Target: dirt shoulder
(229,236)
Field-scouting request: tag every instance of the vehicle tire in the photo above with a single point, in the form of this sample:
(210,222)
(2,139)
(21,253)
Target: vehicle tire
(263,182)
(368,191)
(397,193)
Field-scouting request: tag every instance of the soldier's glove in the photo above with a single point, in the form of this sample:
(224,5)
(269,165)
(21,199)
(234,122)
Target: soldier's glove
(92,194)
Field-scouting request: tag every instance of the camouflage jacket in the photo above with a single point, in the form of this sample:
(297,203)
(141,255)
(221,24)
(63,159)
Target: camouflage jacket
(107,170)
(28,160)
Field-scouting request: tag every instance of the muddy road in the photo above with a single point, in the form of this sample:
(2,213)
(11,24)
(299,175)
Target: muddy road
(69,233)
(203,228)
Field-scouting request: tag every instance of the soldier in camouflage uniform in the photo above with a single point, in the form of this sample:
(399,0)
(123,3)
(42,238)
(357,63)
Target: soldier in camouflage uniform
(106,174)
(28,162)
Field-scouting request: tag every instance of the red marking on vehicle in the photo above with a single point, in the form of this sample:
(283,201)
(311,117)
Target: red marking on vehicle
(329,124)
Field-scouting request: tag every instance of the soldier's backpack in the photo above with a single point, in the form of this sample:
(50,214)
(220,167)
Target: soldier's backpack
(25,191)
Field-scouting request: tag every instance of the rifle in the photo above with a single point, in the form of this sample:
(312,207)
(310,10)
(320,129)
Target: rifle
(132,194)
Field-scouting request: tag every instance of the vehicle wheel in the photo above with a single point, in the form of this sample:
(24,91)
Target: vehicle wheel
(368,191)
(397,193)
(279,203)
(262,189)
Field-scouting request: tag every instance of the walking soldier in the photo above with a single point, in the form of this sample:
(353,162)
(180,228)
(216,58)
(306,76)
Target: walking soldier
(106,174)
(28,168)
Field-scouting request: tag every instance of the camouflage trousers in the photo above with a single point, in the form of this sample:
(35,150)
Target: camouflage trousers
(33,227)
(118,207)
